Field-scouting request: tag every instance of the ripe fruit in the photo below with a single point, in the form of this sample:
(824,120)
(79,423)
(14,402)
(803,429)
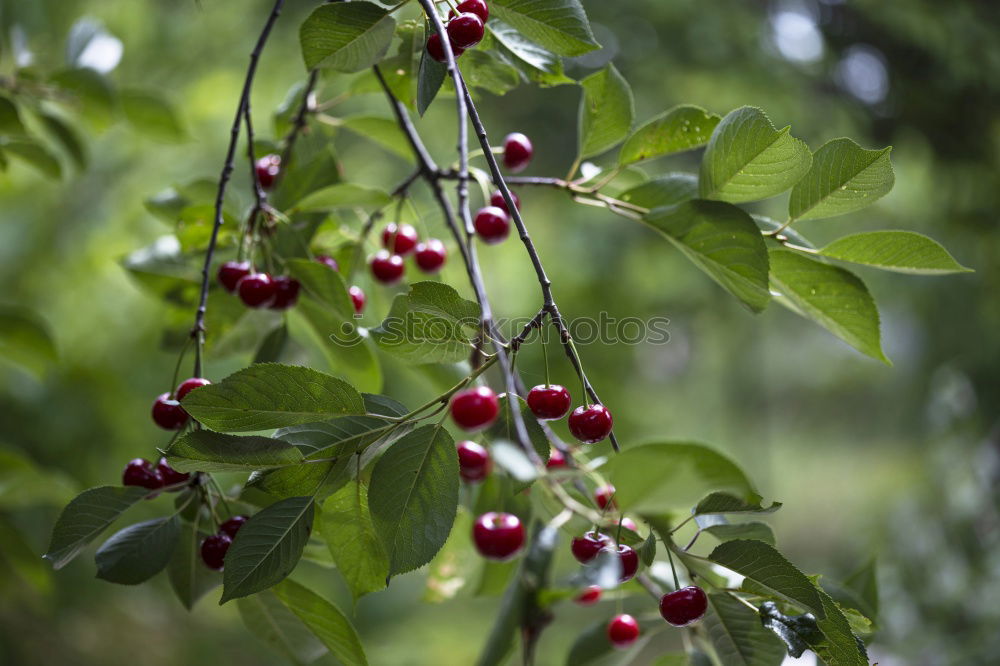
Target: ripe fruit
(589,596)
(517,151)
(267,170)
(430,255)
(477,7)
(213,550)
(327,260)
(492,224)
(498,536)
(189,385)
(387,268)
(465,30)
(684,607)
(473,461)
(623,630)
(630,561)
(140,472)
(435,49)
(256,290)
(557,460)
(590,423)
(169,475)
(399,238)
(232,526)
(286,292)
(497,200)
(549,402)
(586,547)
(168,413)
(357,298)
(231,272)
(605,495)
(474,408)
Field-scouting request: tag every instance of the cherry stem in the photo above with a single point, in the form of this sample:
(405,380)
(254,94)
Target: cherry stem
(545,358)
(177,366)
(673,569)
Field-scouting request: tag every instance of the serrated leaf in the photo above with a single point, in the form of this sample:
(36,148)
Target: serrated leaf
(748,160)
(430,324)
(272,622)
(413,497)
(561,26)
(189,577)
(796,631)
(899,251)
(767,567)
(840,647)
(325,284)
(737,635)
(343,195)
(346,526)
(348,353)
(606,111)
(484,71)
(754,530)
(666,190)
(535,62)
(267,547)
(347,37)
(271,395)
(138,552)
(834,298)
(723,241)
(324,620)
(676,130)
(844,177)
(207,451)
(152,114)
(86,517)
(718,503)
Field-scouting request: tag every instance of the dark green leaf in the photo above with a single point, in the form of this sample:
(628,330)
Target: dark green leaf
(344,195)
(844,177)
(864,584)
(667,190)
(151,114)
(10,117)
(484,71)
(189,577)
(796,631)
(677,130)
(33,153)
(347,37)
(606,111)
(207,451)
(273,345)
(138,552)
(430,324)
(537,63)
(87,516)
(310,170)
(592,646)
(325,620)
(561,26)
(271,621)
(767,567)
(726,503)
(899,251)
(383,131)
(90,90)
(647,549)
(348,353)
(755,530)
(430,77)
(66,136)
(346,525)
(737,635)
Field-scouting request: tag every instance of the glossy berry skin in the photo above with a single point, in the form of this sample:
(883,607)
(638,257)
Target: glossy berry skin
(399,239)
(267,170)
(327,260)
(430,255)
(232,526)
(497,200)
(549,402)
(387,268)
(140,472)
(168,413)
(474,408)
(685,606)
(589,596)
(477,7)
(231,272)
(214,549)
(189,385)
(498,536)
(590,423)
(169,475)
(517,152)
(557,460)
(436,50)
(586,547)
(473,461)
(623,630)
(465,30)
(286,292)
(256,290)
(604,496)
(492,224)
(630,561)
(357,298)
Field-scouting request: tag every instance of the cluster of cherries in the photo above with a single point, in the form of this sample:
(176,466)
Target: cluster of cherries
(398,241)
(167,410)
(215,547)
(260,290)
(140,472)
(465,29)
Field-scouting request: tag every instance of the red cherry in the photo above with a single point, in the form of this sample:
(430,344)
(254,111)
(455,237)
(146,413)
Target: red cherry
(232,526)
(557,460)
(589,596)
(430,255)
(474,408)
(231,272)
(357,298)
(477,7)
(685,606)
(497,200)
(267,170)
(586,547)
(140,472)
(387,268)
(213,550)
(327,260)
(256,290)
(465,30)
(604,496)
(189,385)
(286,292)
(590,423)
(517,151)
(549,402)
(168,413)
(436,50)
(492,224)
(629,559)
(399,238)
(473,461)
(170,476)
(498,536)
(623,630)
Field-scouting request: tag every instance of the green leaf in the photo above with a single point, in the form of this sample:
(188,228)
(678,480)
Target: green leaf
(606,111)
(344,195)
(796,631)
(413,496)
(768,568)
(66,136)
(666,190)
(308,172)
(267,547)
(153,115)
(325,620)
(840,646)
(591,646)
(430,77)
(647,549)
(535,62)
(748,160)
(844,177)
(383,131)
(485,71)
(864,584)
(34,153)
(324,283)
(347,37)
(90,90)
(87,516)
(737,634)
(561,26)
(430,324)
(138,552)
(718,503)
(10,117)
(207,451)
(272,346)
(189,577)
(271,621)
(754,530)
(346,525)
(348,353)
(723,241)
(899,251)
(271,395)
(834,298)
(23,484)
(25,339)
(677,130)
(660,477)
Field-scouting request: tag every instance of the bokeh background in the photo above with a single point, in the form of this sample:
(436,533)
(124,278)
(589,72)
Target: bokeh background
(900,463)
